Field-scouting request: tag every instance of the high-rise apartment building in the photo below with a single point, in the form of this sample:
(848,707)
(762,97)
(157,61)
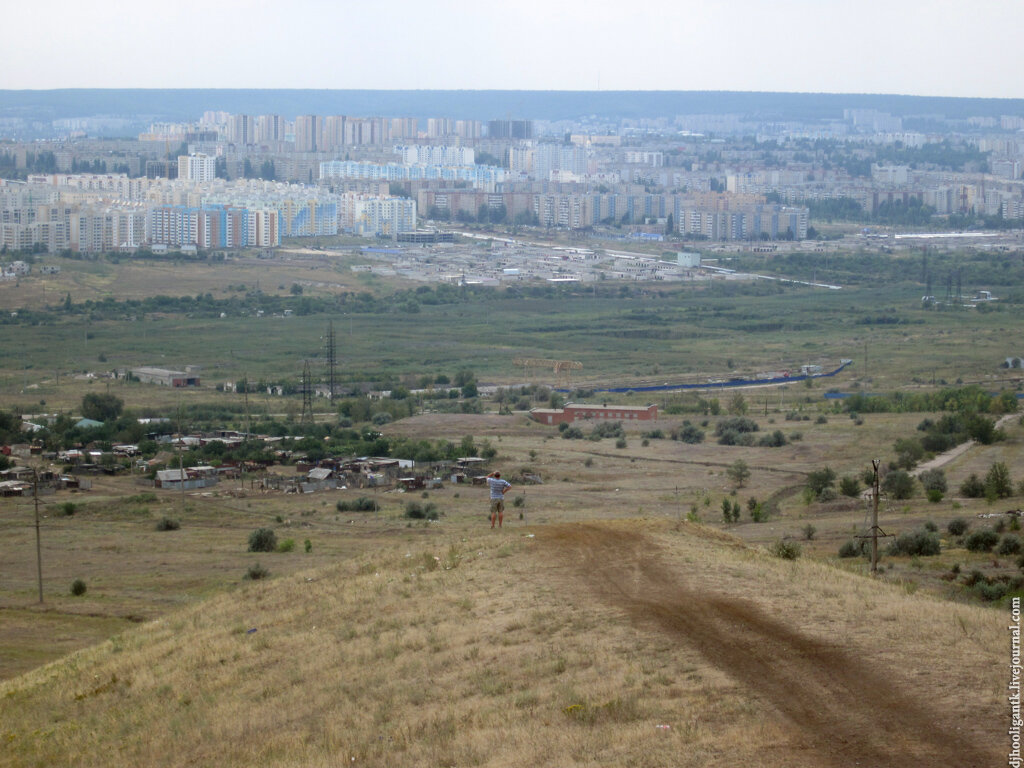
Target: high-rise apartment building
(308,129)
(197,167)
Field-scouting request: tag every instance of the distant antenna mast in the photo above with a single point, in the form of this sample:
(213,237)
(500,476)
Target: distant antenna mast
(307,394)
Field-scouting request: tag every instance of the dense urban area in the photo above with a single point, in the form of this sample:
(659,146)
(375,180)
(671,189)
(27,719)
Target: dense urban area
(227,181)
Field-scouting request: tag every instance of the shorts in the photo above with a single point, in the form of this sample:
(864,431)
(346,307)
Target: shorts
(497,506)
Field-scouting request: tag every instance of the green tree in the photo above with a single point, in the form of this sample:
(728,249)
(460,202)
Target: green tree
(738,472)
(737,405)
(997,482)
(101,407)
(898,484)
(819,480)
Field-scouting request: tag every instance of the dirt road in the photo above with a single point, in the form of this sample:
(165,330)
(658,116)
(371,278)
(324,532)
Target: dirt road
(846,711)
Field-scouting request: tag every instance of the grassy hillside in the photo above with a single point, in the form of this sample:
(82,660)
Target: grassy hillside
(619,643)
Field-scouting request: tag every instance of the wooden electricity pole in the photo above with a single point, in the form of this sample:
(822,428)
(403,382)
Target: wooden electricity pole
(874,516)
(39,546)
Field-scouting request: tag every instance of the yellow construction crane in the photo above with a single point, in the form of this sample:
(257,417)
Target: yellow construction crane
(561,368)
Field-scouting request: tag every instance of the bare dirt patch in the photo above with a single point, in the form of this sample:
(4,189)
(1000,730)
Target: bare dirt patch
(845,711)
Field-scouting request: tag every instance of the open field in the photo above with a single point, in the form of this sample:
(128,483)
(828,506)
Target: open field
(636,335)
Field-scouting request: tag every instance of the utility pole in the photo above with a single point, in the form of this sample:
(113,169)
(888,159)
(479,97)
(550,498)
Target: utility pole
(331,360)
(39,546)
(874,516)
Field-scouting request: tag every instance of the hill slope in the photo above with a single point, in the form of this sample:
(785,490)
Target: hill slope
(621,643)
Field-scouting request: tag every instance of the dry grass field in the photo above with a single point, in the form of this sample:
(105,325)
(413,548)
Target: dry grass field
(598,628)
(640,642)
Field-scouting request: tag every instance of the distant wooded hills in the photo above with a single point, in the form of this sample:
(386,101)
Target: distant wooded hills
(188,104)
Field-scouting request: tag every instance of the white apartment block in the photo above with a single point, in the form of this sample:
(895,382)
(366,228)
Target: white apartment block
(197,167)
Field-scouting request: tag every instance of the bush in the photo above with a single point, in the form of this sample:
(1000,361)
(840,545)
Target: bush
(416,511)
(786,550)
(736,424)
(820,479)
(958,526)
(934,480)
(262,540)
(607,429)
(852,548)
(972,487)
(68,508)
(691,434)
(828,494)
(518,501)
(981,541)
(309,546)
(287,545)
(168,524)
(809,531)
(898,484)
(572,433)
(1010,545)
(256,572)
(620,443)
(775,440)
(78,587)
(849,486)
(934,495)
(919,543)
(362,504)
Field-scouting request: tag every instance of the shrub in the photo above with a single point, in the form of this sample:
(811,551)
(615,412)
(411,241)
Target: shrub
(309,546)
(572,433)
(786,550)
(920,543)
(68,508)
(981,541)
(958,526)
(821,420)
(287,545)
(828,494)
(930,526)
(774,440)
(934,480)
(736,424)
(78,587)
(518,501)
(168,524)
(898,484)
(691,434)
(972,487)
(1010,545)
(607,429)
(851,548)
(620,443)
(849,486)
(362,504)
(416,511)
(262,540)
(934,495)
(820,479)
(809,531)
(256,572)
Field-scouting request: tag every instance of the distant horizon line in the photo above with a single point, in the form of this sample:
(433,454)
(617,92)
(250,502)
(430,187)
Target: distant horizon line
(509,90)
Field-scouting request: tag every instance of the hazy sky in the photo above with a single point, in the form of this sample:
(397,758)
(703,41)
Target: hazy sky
(921,47)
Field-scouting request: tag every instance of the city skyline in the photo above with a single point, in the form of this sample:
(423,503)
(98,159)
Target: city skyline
(903,47)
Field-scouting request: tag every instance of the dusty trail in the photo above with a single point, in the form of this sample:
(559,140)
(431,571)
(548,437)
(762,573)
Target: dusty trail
(848,712)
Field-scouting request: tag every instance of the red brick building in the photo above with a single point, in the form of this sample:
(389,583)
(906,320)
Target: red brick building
(582,412)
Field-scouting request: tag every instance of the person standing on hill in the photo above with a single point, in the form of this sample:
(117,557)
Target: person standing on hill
(498,488)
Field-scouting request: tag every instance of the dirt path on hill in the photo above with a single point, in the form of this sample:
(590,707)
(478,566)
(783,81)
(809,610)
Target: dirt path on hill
(849,712)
